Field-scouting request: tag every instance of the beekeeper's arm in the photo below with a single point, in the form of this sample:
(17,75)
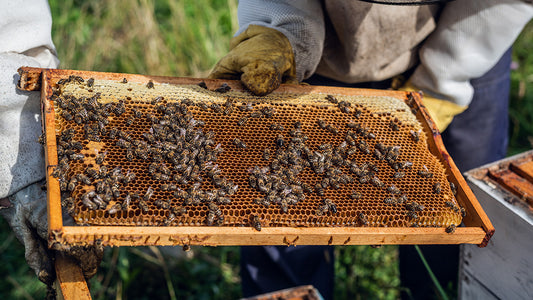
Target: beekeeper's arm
(470,38)
(25,40)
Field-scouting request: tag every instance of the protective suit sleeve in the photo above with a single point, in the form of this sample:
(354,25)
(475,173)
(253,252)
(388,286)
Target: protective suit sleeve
(470,38)
(25,32)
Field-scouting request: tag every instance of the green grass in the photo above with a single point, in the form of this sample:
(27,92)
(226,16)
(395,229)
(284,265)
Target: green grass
(521,106)
(178,38)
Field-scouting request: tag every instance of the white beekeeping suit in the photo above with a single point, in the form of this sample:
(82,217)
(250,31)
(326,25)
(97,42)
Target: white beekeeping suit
(25,40)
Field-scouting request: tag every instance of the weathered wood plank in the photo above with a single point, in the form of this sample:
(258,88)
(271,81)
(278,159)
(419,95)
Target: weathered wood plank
(505,266)
(70,279)
(524,169)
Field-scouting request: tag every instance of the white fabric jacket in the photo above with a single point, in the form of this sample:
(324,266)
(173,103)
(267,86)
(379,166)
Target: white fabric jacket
(354,41)
(25,40)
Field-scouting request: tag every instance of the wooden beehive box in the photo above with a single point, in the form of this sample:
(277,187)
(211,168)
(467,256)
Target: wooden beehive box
(503,269)
(329,138)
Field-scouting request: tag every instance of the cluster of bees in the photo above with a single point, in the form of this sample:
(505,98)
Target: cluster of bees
(180,156)
(280,184)
(182,159)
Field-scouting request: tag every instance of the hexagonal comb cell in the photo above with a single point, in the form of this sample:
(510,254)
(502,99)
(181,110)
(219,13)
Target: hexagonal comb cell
(163,154)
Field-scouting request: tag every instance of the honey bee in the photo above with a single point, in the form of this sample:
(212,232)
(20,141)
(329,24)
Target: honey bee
(202,84)
(114,209)
(57,172)
(224,88)
(393,189)
(415,135)
(115,189)
(126,203)
(376,182)
(463,212)
(203,106)
(266,154)
(178,211)
(306,188)
(356,195)
(73,182)
(123,144)
(77,156)
(129,177)
(363,219)
(275,126)
(119,108)
(103,171)
(331,99)
(243,121)
(92,172)
(321,123)
(402,199)
(398,175)
(331,206)
(363,146)
(394,126)
(130,120)
(100,157)
(450,229)
(449,204)
(412,215)
(322,209)
(345,109)
(406,165)
(425,173)
(284,205)
(228,108)
(246,107)
(332,129)
(280,141)
(150,84)
(113,132)
(86,199)
(390,200)
(267,112)
(414,206)
(436,188)
(63,185)
(240,144)
(257,223)
(216,108)
(101,186)
(453,188)
(83,179)
(90,82)
(149,193)
(144,207)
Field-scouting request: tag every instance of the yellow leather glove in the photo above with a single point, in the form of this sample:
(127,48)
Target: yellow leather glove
(441,111)
(261,57)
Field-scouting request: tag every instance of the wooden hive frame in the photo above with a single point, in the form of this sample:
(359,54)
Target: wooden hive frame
(477,227)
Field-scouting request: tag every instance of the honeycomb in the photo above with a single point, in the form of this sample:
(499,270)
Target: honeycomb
(341,160)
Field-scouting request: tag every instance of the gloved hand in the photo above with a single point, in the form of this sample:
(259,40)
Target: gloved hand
(441,111)
(27,216)
(261,57)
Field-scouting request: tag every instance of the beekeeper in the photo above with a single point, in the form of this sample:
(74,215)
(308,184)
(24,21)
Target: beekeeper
(25,35)
(458,54)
